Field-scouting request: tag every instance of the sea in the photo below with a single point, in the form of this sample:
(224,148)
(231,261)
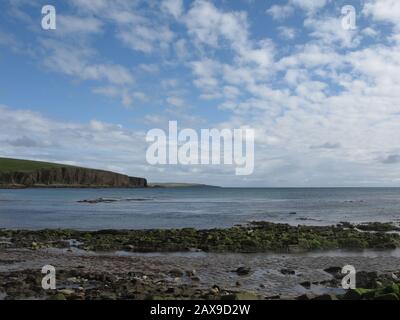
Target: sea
(194,207)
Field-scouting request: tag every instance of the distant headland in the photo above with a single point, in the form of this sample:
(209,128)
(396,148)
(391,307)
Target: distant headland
(16,173)
(179,185)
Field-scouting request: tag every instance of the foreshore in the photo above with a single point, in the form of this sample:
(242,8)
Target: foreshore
(260,260)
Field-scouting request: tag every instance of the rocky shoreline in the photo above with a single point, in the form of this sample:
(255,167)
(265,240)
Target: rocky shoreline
(212,264)
(254,237)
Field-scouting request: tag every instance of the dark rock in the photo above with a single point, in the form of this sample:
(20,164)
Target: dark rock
(288,272)
(58,296)
(242,271)
(190,273)
(304,297)
(325,297)
(366,280)
(333,270)
(176,273)
(241,296)
(353,294)
(306,284)
(387,296)
(277,297)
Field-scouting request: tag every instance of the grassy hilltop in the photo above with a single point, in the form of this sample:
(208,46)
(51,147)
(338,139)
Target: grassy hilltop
(15,173)
(11,165)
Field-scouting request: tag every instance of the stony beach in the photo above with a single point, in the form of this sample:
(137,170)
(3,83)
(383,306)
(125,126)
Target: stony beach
(255,261)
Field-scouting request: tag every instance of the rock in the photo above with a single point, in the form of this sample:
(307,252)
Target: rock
(238,284)
(170,290)
(306,284)
(242,271)
(393,288)
(78,296)
(378,227)
(388,296)
(58,296)
(333,270)
(288,272)
(108,296)
(196,279)
(325,297)
(240,296)
(155,297)
(176,273)
(190,273)
(276,297)
(66,292)
(215,290)
(304,297)
(367,280)
(353,294)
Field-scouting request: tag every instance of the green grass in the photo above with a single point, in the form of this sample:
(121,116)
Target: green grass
(10,165)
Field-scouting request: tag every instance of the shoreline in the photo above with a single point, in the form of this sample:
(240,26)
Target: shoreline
(113,264)
(253,237)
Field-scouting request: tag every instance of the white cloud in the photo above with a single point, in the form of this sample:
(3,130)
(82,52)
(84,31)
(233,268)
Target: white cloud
(174,7)
(329,31)
(176,101)
(146,38)
(280,12)
(287,32)
(309,5)
(325,110)
(150,67)
(209,25)
(116,92)
(77,143)
(75,25)
(383,10)
(76,61)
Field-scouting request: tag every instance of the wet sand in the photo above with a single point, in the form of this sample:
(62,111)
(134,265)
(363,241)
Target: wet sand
(202,271)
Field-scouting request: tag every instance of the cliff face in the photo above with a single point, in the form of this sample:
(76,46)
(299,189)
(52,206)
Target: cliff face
(68,177)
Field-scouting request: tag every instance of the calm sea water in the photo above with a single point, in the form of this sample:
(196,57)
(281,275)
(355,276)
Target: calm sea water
(193,207)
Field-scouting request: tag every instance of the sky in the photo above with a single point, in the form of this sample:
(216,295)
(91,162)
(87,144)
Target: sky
(324,101)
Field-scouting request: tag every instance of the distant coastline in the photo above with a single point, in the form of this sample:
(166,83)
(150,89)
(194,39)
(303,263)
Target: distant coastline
(179,185)
(17,174)
(22,174)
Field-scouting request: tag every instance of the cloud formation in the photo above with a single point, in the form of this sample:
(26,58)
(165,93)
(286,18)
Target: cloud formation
(324,101)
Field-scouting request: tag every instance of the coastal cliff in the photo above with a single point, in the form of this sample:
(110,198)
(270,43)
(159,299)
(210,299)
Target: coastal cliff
(56,175)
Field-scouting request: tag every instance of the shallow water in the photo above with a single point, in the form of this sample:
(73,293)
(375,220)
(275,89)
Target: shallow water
(212,268)
(193,207)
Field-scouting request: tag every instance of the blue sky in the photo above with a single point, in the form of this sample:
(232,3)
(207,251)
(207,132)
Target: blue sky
(324,101)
